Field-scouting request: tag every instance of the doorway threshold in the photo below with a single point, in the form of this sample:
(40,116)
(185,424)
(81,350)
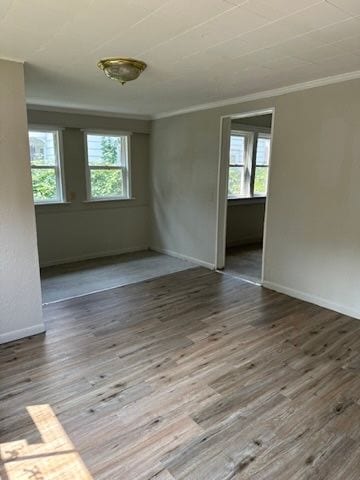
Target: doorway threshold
(239,277)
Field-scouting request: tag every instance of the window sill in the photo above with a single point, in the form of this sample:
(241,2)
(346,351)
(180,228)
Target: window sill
(51,204)
(100,200)
(246,201)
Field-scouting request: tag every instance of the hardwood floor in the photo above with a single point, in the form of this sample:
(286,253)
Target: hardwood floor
(195,375)
(245,262)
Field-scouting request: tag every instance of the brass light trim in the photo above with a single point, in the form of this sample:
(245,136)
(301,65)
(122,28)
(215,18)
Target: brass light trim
(112,68)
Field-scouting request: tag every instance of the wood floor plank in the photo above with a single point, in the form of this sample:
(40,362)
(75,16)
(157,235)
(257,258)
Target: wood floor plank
(195,375)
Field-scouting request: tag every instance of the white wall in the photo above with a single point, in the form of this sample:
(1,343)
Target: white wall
(313,229)
(20,296)
(80,230)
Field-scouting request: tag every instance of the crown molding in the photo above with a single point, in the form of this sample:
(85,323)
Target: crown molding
(297,87)
(320,82)
(83,111)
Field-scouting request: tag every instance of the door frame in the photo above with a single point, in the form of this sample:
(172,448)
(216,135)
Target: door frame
(222,184)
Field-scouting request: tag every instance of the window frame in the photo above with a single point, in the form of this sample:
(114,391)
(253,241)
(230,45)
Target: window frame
(252,133)
(247,167)
(126,168)
(58,167)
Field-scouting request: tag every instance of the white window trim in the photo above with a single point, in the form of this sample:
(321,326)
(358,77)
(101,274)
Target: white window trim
(247,162)
(128,177)
(59,166)
(250,165)
(260,134)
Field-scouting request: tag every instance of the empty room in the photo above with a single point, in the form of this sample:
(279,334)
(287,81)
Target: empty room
(179,240)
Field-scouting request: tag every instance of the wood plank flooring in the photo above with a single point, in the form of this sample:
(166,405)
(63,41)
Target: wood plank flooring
(245,261)
(195,375)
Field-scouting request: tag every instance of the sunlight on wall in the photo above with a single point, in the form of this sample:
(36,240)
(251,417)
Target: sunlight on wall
(55,458)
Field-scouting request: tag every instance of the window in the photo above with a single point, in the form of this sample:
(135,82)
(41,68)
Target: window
(45,166)
(248,164)
(262,164)
(108,166)
(239,144)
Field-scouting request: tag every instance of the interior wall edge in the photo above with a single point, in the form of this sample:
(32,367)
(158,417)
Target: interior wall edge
(51,107)
(244,241)
(87,121)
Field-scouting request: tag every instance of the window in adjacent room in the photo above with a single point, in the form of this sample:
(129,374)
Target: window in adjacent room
(238,174)
(46,166)
(262,164)
(108,172)
(248,164)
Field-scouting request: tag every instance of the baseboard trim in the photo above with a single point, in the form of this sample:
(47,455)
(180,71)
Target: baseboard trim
(90,256)
(307,297)
(245,241)
(23,333)
(171,253)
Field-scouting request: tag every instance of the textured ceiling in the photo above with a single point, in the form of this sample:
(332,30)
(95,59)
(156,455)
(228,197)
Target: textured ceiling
(197,51)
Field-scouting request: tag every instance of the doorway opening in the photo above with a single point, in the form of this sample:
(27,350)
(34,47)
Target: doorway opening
(243,189)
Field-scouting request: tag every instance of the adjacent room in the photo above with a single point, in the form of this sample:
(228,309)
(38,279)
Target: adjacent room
(90,179)
(179,240)
(248,173)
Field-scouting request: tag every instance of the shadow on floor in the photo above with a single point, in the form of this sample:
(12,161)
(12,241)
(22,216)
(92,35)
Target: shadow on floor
(81,278)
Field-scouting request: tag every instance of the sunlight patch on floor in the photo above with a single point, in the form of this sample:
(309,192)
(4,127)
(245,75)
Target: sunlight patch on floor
(55,458)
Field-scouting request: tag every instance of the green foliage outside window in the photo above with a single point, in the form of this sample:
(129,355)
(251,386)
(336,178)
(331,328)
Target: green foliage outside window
(109,150)
(44,184)
(106,183)
(260,184)
(235,174)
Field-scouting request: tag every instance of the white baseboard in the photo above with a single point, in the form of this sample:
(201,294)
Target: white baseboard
(244,241)
(90,256)
(196,261)
(307,297)
(24,332)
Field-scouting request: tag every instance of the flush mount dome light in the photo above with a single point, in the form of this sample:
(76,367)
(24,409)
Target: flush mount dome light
(122,69)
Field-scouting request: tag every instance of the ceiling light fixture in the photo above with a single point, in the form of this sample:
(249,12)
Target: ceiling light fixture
(122,69)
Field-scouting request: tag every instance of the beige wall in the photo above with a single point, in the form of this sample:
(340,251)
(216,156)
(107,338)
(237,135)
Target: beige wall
(80,229)
(244,223)
(313,233)
(20,296)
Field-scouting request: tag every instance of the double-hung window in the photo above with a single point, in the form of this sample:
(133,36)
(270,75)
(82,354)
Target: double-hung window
(46,166)
(108,166)
(248,164)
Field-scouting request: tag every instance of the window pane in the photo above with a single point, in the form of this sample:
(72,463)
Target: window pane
(107,183)
(44,184)
(260,185)
(263,151)
(43,148)
(236,182)
(237,149)
(106,150)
